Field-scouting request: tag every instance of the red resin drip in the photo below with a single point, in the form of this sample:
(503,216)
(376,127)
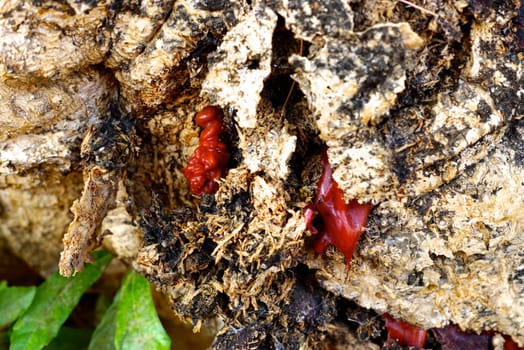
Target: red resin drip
(405,334)
(342,223)
(450,337)
(509,344)
(209,161)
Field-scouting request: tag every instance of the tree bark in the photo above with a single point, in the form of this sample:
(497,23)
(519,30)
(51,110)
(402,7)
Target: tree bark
(420,106)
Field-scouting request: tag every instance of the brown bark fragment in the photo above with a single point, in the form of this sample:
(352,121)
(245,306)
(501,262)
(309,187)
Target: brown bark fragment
(89,210)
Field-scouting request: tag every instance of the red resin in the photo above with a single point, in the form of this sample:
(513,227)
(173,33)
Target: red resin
(450,337)
(209,161)
(342,223)
(509,344)
(404,334)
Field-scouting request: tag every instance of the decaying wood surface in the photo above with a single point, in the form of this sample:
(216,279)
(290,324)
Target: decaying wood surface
(421,107)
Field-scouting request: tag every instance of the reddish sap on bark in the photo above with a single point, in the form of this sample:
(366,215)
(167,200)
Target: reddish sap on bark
(341,222)
(405,334)
(209,161)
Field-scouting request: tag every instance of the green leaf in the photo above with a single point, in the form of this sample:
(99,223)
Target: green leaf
(70,339)
(104,335)
(137,323)
(52,304)
(131,322)
(13,302)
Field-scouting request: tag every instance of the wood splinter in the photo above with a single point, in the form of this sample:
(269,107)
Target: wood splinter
(81,238)
(106,150)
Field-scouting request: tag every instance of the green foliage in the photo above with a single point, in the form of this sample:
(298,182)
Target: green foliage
(104,334)
(137,323)
(129,322)
(13,302)
(54,301)
(70,339)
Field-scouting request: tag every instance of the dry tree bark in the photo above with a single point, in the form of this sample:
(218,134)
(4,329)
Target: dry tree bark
(420,105)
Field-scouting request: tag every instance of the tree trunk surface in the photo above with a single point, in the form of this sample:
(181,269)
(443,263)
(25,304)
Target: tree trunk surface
(419,105)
